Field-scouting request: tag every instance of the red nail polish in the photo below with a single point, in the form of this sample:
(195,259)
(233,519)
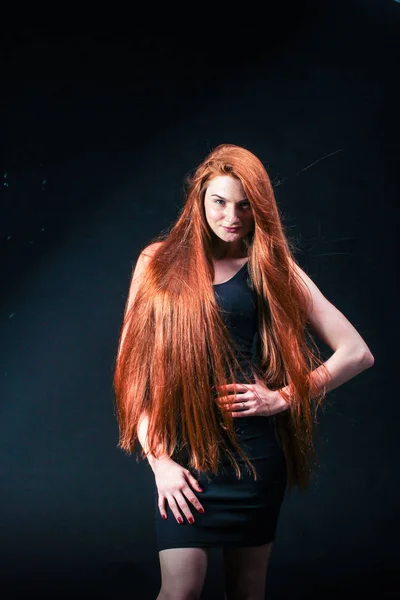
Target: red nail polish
(191,520)
(164,517)
(201,510)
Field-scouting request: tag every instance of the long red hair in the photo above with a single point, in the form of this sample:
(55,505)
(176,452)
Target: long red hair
(177,349)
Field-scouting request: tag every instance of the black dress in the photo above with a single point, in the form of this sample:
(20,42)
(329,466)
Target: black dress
(238,512)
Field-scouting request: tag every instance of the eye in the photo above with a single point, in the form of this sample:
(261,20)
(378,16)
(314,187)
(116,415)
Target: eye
(243,205)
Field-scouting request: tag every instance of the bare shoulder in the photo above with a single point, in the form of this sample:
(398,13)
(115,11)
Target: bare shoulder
(138,271)
(149,250)
(309,287)
(318,306)
(144,258)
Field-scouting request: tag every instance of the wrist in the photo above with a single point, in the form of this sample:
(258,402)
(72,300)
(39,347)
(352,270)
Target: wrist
(281,402)
(155,462)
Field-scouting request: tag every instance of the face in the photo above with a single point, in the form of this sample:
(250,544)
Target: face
(226,205)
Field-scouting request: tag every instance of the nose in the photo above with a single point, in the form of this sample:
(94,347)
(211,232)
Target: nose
(231,219)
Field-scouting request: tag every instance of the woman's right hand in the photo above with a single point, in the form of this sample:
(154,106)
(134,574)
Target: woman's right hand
(174,485)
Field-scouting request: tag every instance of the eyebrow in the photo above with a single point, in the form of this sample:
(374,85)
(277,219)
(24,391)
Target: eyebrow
(222,198)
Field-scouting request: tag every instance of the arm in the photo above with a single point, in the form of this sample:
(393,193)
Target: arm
(140,267)
(142,436)
(351,354)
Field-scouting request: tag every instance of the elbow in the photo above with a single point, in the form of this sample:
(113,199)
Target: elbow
(367,358)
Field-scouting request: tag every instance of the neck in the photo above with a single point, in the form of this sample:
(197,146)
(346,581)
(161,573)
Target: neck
(229,250)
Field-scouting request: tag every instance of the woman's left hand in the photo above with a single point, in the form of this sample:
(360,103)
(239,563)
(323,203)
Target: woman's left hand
(252,400)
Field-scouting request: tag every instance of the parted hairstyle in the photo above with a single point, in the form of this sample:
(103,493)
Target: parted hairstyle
(175,349)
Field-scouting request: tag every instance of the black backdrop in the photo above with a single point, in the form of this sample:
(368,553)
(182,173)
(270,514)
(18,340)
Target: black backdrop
(99,127)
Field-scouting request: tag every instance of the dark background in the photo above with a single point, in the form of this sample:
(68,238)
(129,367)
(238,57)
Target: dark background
(99,126)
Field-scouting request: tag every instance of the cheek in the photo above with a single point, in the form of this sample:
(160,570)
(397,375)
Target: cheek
(213,214)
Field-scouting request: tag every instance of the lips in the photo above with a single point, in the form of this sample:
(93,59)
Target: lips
(232,229)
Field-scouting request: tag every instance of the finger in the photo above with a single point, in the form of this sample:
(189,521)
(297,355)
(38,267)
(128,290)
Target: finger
(161,506)
(183,505)
(226,405)
(194,500)
(231,387)
(231,398)
(193,482)
(240,413)
(223,399)
(174,507)
(189,494)
(237,404)
(242,393)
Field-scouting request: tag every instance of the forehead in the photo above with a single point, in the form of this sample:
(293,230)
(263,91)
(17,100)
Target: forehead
(226,186)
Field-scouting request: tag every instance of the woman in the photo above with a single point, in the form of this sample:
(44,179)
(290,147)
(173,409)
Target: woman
(217,371)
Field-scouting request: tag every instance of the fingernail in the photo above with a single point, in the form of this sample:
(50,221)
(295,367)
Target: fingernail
(191,520)
(200,489)
(164,517)
(201,510)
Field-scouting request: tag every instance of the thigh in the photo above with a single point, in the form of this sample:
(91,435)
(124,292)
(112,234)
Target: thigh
(245,571)
(183,571)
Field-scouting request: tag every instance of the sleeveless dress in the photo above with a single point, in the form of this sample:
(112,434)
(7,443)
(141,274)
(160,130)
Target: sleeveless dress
(238,512)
